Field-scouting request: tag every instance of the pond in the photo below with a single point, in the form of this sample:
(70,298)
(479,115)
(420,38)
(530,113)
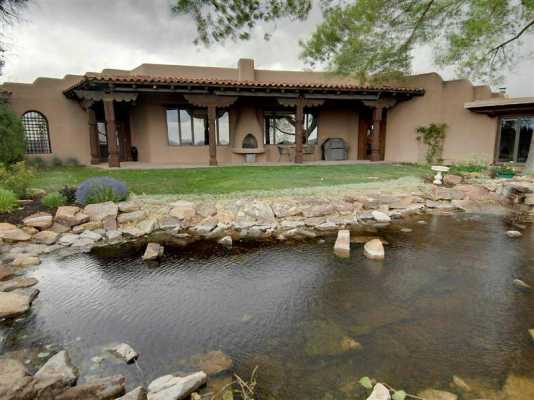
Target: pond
(441,304)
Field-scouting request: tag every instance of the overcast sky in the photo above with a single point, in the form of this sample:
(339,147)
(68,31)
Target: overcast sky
(58,37)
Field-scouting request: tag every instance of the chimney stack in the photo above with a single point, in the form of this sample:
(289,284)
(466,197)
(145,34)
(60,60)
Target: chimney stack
(245,68)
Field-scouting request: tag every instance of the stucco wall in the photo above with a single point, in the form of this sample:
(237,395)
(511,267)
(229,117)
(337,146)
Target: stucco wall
(470,136)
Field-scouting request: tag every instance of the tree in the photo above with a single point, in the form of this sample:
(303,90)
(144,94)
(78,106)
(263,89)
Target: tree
(8,12)
(12,144)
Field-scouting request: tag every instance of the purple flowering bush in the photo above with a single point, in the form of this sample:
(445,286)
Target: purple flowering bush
(100,189)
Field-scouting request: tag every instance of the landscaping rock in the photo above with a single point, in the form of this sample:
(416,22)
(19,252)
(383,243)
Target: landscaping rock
(13,304)
(59,367)
(125,352)
(148,226)
(513,234)
(139,393)
(226,241)
(169,387)
(46,237)
(68,239)
(14,235)
(252,213)
(531,333)
(380,392)
(460,384)
(113,235)
(15,380)
(70,216)
(41,220)
(379,216)
(212,363)
(31,293)
(182,210)
(518,283)
(100,211)
(132,232)
(25,260)
(433,394)
(5,226)
(133,216)
(17,283)
(374,250)
(451,179)
(93,236)
(59,228)
(88,226)
(129,206)
(153,252)
(98,389)
(6,272)
(342,245)
(518,388)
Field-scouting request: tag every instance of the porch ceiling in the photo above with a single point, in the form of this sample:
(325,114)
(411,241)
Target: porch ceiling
(318,90)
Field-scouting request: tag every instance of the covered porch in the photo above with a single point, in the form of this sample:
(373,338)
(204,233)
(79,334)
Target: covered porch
(271,122)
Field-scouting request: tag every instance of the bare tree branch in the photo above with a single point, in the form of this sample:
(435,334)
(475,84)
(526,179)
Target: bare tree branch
(515,37)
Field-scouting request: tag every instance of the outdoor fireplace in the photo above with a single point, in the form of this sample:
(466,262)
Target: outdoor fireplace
(250,142)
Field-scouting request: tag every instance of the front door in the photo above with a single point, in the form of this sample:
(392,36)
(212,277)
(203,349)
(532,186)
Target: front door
(515,135)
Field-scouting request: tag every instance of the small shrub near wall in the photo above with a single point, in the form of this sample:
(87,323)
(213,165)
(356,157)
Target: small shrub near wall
(433,137)
(12,143)
(100,189)
(8,200)
(17,178)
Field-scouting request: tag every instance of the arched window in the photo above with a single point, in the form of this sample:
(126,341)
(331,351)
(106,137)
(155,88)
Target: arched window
(36,132)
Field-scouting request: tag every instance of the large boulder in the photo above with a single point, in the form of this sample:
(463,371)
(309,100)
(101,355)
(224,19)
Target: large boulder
(170,387)
(70,216)
(139,393)
(46,237)
(25,260)
(182,209)
(125,352)
(374,249)
(14,235)
(518,388)
(40,220)
(380,216)
(98,389)
(6,272)
(17,283)
(451,179)
(133,216)
(15,381)
(13,304)
(252,213)
(100,211)
(153,252)
(59,367)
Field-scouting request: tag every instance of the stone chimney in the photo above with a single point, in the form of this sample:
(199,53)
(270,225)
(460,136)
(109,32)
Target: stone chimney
(245,68)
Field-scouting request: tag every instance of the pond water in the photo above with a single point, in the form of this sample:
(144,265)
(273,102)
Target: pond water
(441,304)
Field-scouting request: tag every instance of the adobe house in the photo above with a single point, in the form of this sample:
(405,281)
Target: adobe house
(172,114)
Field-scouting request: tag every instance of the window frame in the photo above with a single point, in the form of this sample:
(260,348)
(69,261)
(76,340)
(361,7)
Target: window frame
(267,116)
(510,116)
(190,111)
(47,124)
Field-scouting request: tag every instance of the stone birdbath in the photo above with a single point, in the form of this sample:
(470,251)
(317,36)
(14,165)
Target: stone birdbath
(439,169)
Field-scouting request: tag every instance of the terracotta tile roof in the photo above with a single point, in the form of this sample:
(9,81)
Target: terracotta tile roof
(167,80)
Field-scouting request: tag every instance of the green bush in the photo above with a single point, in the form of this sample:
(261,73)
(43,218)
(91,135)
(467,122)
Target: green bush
(56,162)
(469,167)
(103,194)
(99,189)
(17,178)
(12,144)
(69,193)
(54,200)
(8,200)
(37,162)
(433,136)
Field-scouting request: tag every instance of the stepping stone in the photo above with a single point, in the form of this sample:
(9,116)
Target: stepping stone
(374,250)
(342,245)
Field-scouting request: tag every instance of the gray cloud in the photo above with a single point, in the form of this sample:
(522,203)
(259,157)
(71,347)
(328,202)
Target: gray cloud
(58,37)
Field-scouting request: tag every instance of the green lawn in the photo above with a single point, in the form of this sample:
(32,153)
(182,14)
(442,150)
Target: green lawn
(230,179)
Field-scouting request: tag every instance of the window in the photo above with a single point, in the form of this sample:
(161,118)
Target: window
(190,127)
(514,139)
(280,128)
(36,133)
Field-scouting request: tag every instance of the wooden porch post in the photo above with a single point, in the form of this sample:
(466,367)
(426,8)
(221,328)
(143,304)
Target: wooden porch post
(375,139)
(299,131)
(212,118)
(111,131)
(93,136)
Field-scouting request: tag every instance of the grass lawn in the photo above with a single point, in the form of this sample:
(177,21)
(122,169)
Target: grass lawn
(231,179)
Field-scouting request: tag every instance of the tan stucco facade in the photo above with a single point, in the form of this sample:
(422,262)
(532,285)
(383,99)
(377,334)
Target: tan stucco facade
(470,135)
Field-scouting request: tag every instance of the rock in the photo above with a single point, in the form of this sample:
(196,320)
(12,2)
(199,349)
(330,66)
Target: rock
(5,226)
(148,226)
(132,232)
(17,283)
(70,216)
(68,239)
(133,216)
(531,333)
(433,394)
(342,245)
(113,235)
(31,293)
(379,216)
(98,389)
(129,206)
(59,367)
(406,230)
(46,237)
(226,241)
(125,352)
(14,235)
(24,260)
(252,213)
(169,223)
(93,236)
(518,283)
(529,199)
(513,234)
(41,220)
(518,388)
(380,392)
(349,344)
(15,380)
(139,393)
(212,363)
(6,272)
(88,226)
(153,251)
(169,387)
(100,211)
(451,179)
(59,228)
(110,223)
(318,210)
(182,210)
(374,250)
(460,384)
(206,210)
(13,304)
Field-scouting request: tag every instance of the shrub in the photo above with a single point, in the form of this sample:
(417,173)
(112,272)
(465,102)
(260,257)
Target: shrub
(100,189)
(72,162)
(69,193)
(56,162)
(17,178)
(12,143)
(8,200)
(433,136)
(54,200)
(37,162)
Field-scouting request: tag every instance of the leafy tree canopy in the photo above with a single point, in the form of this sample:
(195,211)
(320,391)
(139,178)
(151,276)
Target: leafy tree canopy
(376,38)
(8,12)
(12,144)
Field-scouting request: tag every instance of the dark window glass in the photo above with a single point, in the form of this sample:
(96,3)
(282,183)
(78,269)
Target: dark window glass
(36,133)
(190,127)
(526,128)
(280,128)
(507,142)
